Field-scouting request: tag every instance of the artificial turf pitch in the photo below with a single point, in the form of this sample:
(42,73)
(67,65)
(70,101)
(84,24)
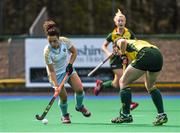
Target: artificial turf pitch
(17,114)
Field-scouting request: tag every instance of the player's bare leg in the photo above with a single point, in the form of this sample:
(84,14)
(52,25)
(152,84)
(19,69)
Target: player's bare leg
(76,85)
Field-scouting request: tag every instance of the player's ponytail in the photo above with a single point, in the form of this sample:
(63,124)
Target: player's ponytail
(53,32)
(48,25)
(119,14)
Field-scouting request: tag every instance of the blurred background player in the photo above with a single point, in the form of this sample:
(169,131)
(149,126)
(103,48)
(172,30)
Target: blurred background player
(56,55)
(120,31)
(147,60)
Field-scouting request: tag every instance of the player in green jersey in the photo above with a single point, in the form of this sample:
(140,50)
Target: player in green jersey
(147,60)
(120,31)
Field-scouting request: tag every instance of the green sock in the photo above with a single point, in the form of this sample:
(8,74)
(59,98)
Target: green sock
(107,84)
(157,100)
(125,95)
(79,99)
(63,107)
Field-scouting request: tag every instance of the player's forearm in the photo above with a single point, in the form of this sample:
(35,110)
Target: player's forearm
(105,49)
(107,52)
(52,74)
(72,58)
(53,79)
(122,45)
(73,55)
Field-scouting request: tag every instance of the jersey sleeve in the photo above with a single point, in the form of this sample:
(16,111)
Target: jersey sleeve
(109,37)
(66,41)
(47,56)
(132,35)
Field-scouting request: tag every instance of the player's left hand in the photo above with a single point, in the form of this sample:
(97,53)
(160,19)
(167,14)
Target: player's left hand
(69,69)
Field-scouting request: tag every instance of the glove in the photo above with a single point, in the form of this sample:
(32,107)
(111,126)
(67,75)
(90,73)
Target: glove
(124,59)
(69,69)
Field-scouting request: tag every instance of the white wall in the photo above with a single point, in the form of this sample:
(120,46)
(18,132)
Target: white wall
(89,56)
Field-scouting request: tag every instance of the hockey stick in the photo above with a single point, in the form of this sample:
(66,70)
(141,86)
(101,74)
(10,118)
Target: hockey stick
(41,117)
(100,64)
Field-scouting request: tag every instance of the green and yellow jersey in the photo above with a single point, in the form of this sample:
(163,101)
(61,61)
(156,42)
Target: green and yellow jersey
(114,35)
(146,57)
(134,46)
(116,61)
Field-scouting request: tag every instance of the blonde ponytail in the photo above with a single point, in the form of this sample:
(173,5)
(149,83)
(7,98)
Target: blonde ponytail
(119,14)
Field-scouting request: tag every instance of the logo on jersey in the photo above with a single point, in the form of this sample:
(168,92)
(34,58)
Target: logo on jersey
(55,58)
(59,56)
(64,50)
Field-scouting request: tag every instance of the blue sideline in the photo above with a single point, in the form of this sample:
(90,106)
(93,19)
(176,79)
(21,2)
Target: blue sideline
(8,97)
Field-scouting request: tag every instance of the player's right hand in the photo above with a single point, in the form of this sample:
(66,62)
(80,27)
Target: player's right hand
(56,91)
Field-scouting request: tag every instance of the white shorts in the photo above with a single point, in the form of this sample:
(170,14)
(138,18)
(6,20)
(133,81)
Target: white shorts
(61,76)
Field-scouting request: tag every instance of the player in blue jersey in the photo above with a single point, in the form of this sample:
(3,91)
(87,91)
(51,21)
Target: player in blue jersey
(59,56)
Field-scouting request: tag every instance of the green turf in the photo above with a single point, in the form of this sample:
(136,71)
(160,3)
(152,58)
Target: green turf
(19,116)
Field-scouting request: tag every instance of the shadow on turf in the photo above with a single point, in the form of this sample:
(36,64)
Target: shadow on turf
(115,124)
(91,123)
(126,124)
